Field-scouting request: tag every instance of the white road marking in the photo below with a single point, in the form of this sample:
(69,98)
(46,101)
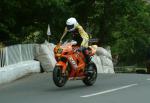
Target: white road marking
(148,78)
(108,91)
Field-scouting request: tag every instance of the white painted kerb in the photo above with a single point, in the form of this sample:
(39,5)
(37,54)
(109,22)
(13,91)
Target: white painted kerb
(13,72)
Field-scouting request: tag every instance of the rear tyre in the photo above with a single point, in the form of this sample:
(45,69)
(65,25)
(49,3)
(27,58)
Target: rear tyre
(58,78)
(91,74)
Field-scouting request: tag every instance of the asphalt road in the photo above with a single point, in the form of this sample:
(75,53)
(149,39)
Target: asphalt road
(109,88)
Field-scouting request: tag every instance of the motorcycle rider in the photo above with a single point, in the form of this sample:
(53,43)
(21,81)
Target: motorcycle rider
(78,34)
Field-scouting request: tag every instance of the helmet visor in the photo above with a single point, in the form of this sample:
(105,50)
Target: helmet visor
(70,27)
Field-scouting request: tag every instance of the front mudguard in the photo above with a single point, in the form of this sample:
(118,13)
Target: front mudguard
(63,65)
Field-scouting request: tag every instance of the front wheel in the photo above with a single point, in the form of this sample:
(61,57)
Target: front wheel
(58,78)
(91,74)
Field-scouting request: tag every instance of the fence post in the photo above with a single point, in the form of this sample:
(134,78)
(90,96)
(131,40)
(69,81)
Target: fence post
(20,51)
(6,51)
(1,53)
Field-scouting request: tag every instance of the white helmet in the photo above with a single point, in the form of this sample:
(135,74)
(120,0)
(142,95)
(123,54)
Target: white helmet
(71,24)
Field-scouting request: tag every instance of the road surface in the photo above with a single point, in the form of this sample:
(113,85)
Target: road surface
(109,88)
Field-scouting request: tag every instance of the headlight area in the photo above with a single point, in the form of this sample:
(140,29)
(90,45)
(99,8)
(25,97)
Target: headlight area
(59,51)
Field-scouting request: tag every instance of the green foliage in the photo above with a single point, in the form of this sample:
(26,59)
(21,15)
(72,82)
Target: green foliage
(18,19)
(123,24)
(131,34)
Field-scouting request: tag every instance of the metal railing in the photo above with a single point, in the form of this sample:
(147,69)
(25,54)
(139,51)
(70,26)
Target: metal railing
(123,69)
(15,54)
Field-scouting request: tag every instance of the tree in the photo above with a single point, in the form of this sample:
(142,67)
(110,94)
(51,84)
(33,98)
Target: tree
(122,24)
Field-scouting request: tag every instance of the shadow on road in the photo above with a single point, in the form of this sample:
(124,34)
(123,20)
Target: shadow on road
(68,88)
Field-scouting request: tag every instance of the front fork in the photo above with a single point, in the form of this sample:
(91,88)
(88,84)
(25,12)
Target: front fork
(63,66)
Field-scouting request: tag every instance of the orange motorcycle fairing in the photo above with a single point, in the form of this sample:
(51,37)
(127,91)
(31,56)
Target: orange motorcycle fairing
(71,65)
(63,65)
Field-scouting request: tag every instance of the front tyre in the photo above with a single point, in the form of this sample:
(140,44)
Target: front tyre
(91,74)
(58,78)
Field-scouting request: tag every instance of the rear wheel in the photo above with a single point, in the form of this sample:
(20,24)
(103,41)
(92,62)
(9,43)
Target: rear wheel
(91,74)
(59,78)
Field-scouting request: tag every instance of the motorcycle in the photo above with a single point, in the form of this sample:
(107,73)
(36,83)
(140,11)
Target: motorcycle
(71,64)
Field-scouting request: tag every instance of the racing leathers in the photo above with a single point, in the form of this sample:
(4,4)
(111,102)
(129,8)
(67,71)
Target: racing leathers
(82,39)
